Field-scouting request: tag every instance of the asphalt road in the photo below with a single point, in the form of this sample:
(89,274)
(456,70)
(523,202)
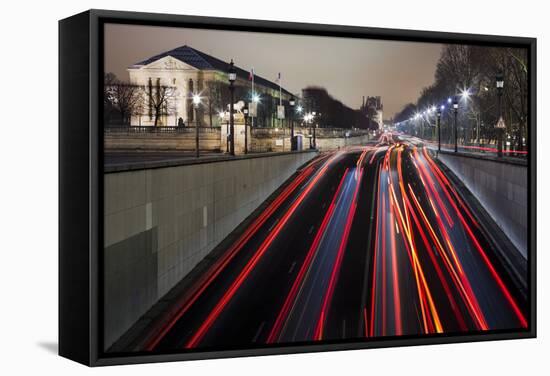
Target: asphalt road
(365,242)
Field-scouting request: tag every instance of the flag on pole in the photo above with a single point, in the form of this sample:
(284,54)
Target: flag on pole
(251,75)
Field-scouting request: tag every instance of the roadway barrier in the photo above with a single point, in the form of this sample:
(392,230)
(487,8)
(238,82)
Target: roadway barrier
(161,221)
(500,185)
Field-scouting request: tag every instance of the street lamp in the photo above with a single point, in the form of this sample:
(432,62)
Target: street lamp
(499,80)
(232,76)
(196,102)
(292,103)
(245,113)
(439,127)
(455,111)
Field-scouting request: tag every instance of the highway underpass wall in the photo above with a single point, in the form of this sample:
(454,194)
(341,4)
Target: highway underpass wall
(500,186)
(160,222)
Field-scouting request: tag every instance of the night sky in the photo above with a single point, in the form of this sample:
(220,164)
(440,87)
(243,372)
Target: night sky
(347,68)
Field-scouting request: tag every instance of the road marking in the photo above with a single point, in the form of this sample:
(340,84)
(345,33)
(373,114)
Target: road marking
(292,267)
(273,225)
(255,339)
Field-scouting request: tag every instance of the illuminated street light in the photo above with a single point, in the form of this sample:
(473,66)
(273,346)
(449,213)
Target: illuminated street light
(292,103)
(442,108)
(499,80)
(299,109)
(196,99)
(231,76)
(455,111)
(449,100)
(245,113)
(439,128)
(465,93)
(255,98)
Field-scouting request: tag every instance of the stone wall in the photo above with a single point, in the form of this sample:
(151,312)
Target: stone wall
(324,144)
(149,139)
(160,222)
(278,140)
(260,140)
(500,186)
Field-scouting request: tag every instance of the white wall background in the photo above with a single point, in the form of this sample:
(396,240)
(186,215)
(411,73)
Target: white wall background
(28,188)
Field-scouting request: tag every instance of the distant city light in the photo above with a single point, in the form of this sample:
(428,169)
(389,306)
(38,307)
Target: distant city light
(449,100)
(442,107)
(433,108)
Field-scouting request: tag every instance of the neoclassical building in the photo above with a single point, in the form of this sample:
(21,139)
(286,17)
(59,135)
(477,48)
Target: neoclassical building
(172,77)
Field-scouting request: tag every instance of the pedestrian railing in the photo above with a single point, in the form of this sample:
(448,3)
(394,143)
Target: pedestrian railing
(133,129)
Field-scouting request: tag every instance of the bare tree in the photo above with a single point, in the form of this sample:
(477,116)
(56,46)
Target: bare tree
(161,100)
(121,98)
(217,97)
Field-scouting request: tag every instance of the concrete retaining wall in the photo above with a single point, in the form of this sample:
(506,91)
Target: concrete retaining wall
(500,187)
(159,223)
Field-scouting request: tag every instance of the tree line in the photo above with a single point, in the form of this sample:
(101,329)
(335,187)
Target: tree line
(474,68)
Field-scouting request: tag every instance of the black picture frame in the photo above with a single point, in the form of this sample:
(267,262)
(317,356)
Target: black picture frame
(81,179)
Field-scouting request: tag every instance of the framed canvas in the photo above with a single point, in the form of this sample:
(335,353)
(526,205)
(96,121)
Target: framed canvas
(238,187)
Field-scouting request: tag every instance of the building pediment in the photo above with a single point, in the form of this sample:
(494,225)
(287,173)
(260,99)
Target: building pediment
(168,63)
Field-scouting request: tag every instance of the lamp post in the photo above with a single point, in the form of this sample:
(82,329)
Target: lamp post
(455,111)
(245,112)
(439,127)
(227,135)
(307,120)
(292,103)
(232,76)
(196,103)
(314,124)
(500,87)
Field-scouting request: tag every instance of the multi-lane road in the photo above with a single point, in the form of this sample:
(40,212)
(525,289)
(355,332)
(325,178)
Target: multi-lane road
(365,242)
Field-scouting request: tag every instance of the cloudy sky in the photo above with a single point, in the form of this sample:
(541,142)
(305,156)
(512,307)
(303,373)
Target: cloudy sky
(347,68)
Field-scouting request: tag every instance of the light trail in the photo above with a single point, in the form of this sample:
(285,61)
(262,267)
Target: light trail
(218,267)
(279,322)
(336,269)
(195,339)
